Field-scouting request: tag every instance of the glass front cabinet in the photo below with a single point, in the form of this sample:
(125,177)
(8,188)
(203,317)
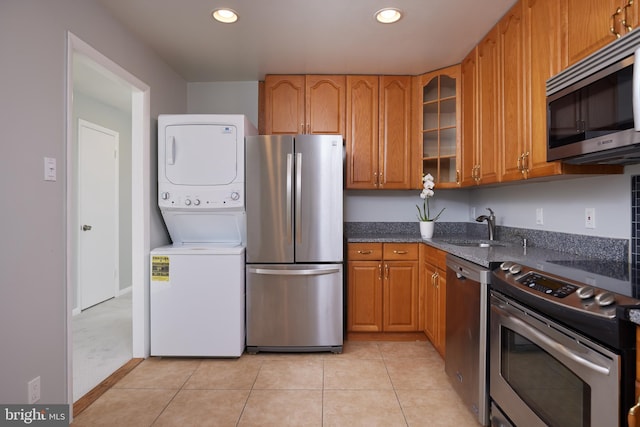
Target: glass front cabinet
(439,125)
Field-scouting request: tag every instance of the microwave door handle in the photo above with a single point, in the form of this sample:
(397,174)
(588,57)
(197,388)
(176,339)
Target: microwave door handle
(636,89)
(553,344)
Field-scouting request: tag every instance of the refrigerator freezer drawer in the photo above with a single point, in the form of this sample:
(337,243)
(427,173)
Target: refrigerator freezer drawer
(294,307)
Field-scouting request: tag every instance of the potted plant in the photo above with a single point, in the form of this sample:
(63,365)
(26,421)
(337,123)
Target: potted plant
(427,222)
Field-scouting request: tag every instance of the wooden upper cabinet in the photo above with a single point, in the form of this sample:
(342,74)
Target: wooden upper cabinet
(592,24)
(515,69)
(362,132)
(488,114)
(378,132)
(284,104)
(395,133)
(532,49)
(438,119)
(545,57)
(470,150)
(296,104)
(325,104)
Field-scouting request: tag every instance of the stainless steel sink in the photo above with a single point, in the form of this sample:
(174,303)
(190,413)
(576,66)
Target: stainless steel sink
(475,243)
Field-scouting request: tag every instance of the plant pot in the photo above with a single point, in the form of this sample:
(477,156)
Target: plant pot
(426,229)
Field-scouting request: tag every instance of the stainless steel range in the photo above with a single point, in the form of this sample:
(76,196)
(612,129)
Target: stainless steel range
(561,353)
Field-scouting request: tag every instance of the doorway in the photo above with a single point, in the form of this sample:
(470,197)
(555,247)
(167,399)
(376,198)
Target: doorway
(134,203)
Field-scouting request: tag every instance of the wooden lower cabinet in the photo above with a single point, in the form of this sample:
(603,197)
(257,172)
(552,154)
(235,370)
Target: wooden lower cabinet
(433,294)
(364,309)
(382,285)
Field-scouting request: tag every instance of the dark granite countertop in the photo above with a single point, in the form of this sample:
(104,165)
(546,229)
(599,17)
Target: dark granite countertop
(598,261)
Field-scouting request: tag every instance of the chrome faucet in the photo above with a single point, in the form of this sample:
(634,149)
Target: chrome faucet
(491,222)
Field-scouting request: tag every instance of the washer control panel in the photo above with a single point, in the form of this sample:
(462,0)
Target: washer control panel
(206,199)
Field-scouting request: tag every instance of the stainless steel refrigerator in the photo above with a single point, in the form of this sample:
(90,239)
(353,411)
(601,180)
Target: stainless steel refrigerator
(294,271)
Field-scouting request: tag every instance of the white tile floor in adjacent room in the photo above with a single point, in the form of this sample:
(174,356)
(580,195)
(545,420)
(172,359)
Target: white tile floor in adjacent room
(102,342)
(370,384)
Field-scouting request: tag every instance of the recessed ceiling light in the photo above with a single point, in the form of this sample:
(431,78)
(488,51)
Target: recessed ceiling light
(227,16)
(388,15)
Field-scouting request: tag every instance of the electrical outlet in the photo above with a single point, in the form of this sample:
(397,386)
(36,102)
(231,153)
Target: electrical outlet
(590,218)
(33,389)
(539,217)
(472,213)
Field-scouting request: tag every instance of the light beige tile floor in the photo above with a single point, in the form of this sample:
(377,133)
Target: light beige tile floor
(370,384)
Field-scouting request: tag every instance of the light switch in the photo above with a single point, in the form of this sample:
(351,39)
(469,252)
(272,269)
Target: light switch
(50,169)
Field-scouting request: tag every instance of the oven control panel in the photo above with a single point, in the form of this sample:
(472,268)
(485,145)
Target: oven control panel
(547,285)
(546,288)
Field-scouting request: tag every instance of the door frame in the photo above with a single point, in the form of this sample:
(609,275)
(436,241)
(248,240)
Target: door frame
(141,199)
(116,202)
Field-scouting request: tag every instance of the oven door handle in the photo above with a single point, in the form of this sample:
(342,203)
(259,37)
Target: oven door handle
(553,344)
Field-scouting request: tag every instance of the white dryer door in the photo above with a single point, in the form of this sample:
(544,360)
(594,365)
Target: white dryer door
(201,154)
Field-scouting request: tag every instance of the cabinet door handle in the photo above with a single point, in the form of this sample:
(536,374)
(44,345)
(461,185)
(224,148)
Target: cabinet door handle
(401,252)
(625,20)
(386,271)
(367,252)
(521,163)
(379,271)
(613,23)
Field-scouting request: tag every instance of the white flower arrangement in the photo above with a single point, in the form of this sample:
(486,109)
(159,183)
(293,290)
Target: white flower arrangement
(427,192)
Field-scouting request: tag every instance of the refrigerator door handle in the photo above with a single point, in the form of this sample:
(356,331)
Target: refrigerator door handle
(289,225)
(299,197)
(306,272)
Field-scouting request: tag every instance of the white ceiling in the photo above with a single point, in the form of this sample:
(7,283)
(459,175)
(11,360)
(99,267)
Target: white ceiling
(307,37)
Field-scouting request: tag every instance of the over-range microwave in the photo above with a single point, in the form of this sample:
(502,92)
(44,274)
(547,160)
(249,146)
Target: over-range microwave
(593,107)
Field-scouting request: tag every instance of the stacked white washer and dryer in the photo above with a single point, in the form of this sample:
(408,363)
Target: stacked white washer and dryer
(197,295)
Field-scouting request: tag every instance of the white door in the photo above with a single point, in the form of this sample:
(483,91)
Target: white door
(97,263)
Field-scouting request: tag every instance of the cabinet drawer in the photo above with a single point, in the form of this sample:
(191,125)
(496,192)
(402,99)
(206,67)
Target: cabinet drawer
(402,251)
(435,257)
(364,251)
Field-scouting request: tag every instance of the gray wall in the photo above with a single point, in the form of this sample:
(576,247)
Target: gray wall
(33,290)
(563,203)
(224,98)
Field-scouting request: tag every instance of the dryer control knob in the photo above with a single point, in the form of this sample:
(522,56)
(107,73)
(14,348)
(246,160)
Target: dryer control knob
(196,202)
(165,195)
(187,202)
(235,195)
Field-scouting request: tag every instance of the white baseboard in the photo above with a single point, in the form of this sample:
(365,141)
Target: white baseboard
(124,291)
